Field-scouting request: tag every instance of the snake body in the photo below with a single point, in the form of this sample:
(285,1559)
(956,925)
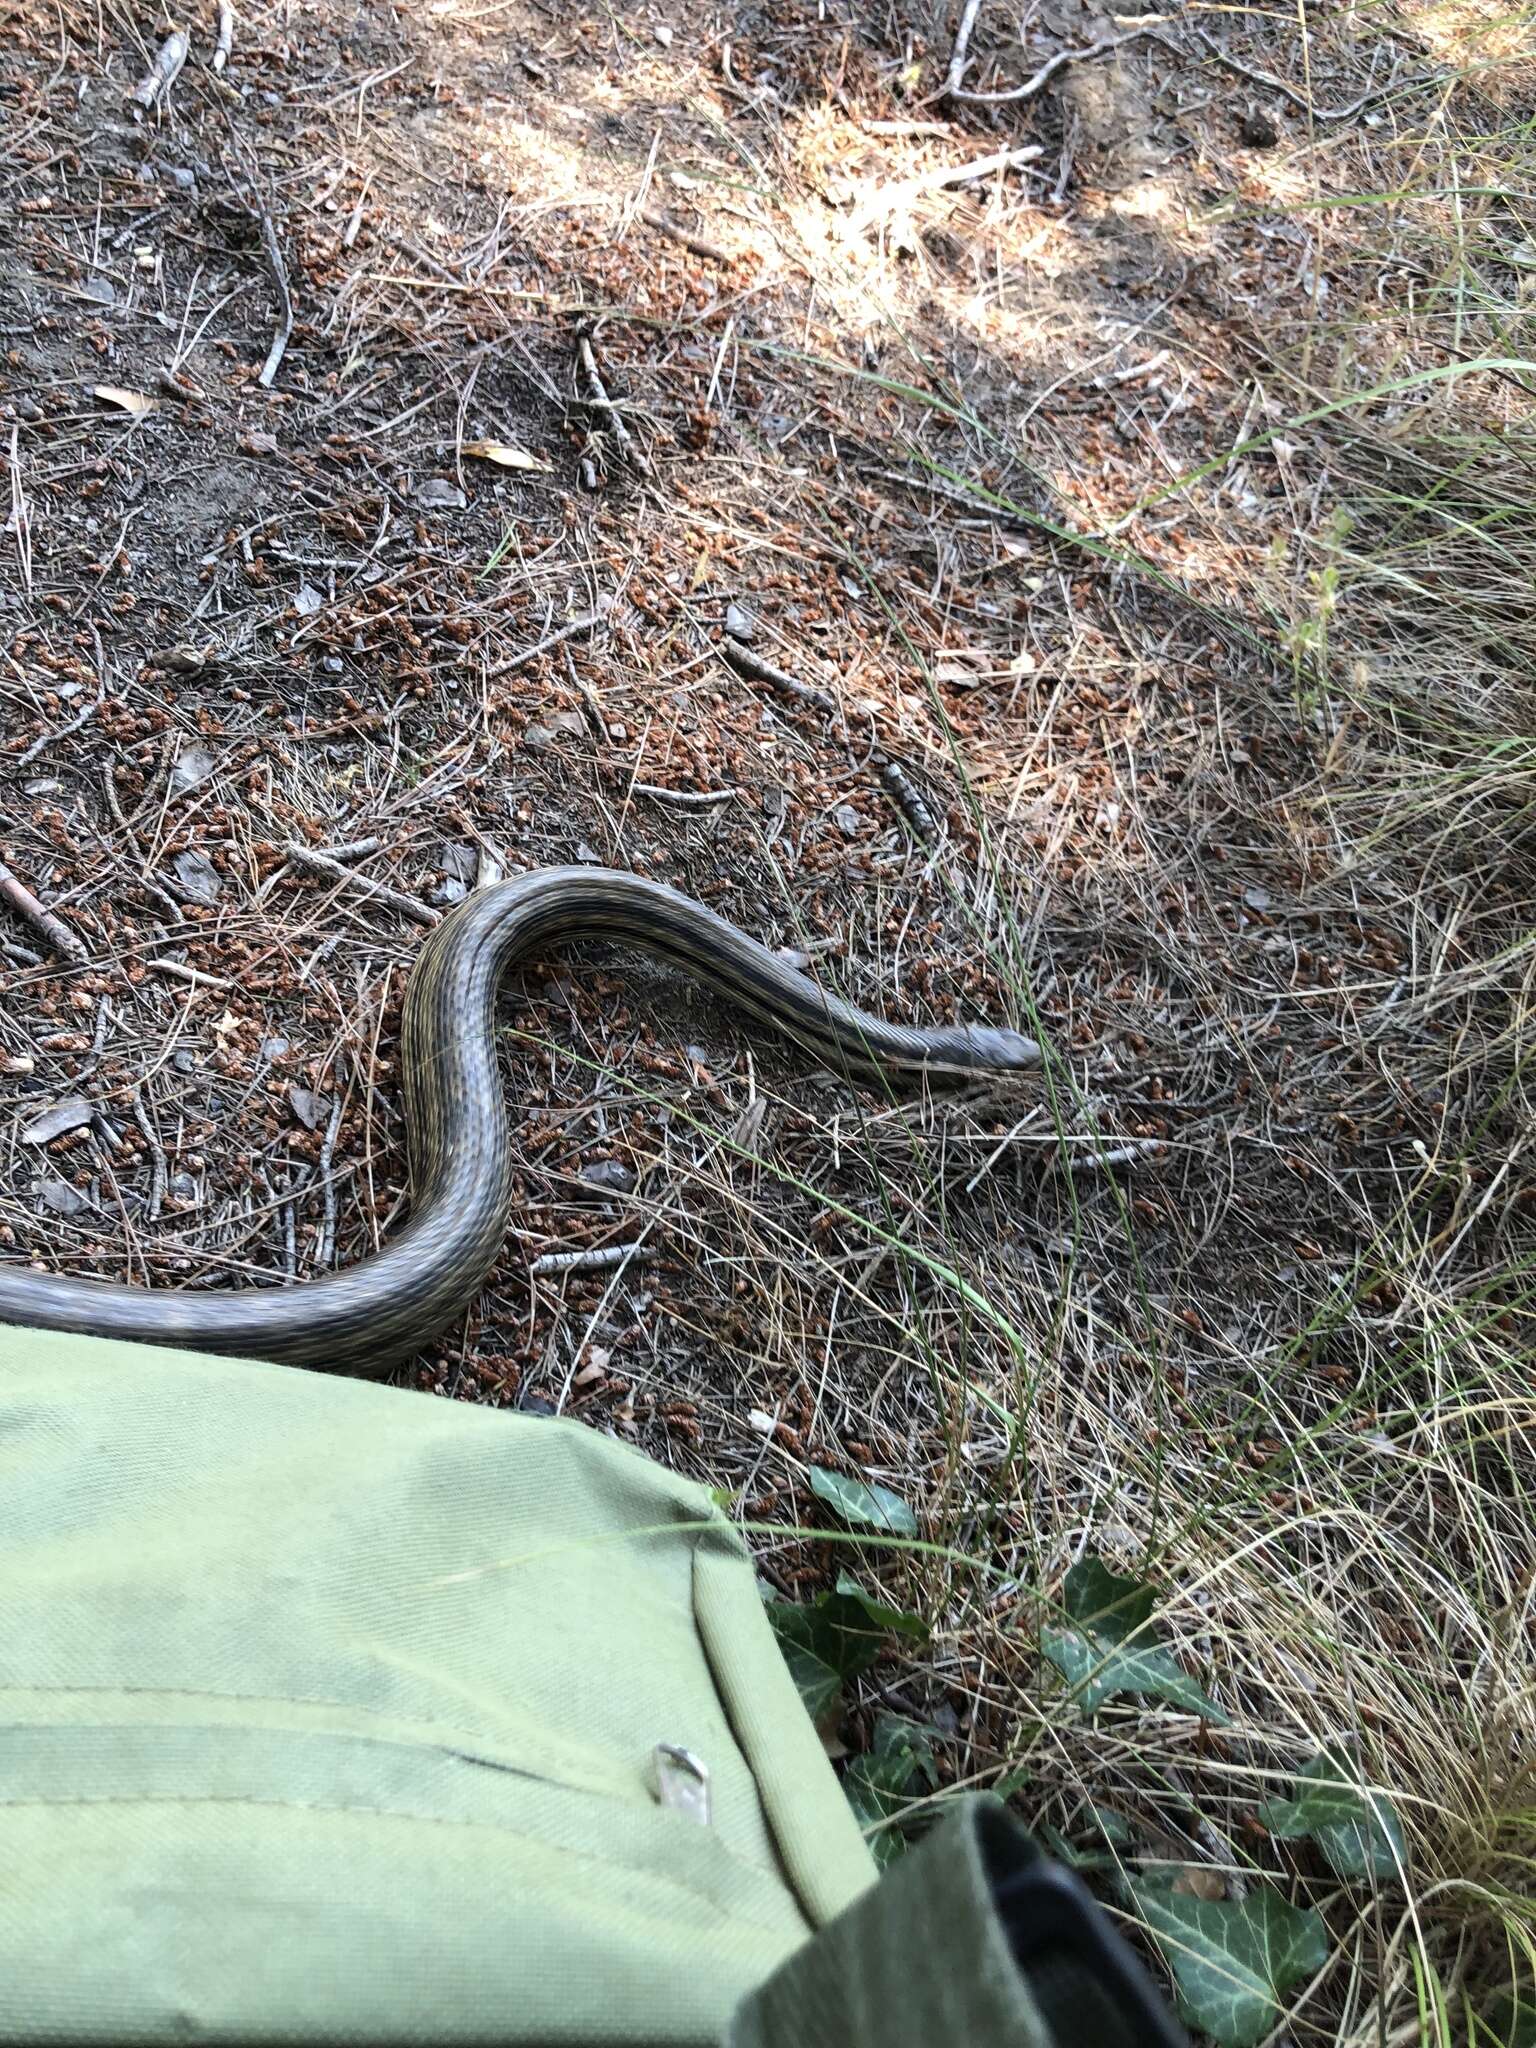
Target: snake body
(366,1317)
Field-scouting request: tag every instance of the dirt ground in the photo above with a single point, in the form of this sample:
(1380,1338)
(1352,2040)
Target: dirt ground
(1016,736)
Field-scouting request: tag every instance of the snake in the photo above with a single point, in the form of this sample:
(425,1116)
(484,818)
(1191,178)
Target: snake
(368,1317)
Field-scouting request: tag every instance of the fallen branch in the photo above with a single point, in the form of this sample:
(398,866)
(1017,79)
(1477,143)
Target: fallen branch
(25,904)
(325,1244)
(155,86)
(226,35)
(1106,1162)
(321,864)
(599,400)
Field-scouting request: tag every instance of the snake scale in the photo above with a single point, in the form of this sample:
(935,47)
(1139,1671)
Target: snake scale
(367,1317)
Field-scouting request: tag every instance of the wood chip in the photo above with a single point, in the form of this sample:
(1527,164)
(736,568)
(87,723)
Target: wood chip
(507,457)
(137,402)
(72,1114)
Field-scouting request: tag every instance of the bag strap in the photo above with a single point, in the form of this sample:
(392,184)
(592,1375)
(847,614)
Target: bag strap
(973,1940)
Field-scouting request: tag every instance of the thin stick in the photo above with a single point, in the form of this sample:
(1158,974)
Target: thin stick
(226,36)
(601,1259)
(326,1246)
(1105,1162)
(352,849)
(1298,99)
(960,53)
(700,245)
(889,197)
(21,519)
(157,1181)
(25,904)
(597,397)
(582,623)
(746,663)
(408,906)
(284,298)
(157,81)
(183,972)
(1041,78)
(49,738)
(685,799)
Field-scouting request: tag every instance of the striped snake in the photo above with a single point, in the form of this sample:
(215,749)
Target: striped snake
(369,1316)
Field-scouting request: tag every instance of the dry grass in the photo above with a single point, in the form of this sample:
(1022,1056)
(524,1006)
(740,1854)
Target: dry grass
(1166,515)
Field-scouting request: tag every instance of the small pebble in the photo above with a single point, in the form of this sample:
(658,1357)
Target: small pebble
(609,1176)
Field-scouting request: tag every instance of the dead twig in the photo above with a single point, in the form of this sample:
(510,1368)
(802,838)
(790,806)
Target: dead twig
(893,197)
(183,972)
(20,521)
(154,87)
(1037,81)
(279,272)
(25,904)
(599,400)
(326,1245)
(746,663)
(685,799)
(157,1180)
(226,35)
(601,1259)
(699,245)
(351,849)
(321,864)
(584,622)
(1289,92)
(50,739)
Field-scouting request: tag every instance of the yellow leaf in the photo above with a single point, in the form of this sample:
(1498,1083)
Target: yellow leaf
(505,457)
(136,402)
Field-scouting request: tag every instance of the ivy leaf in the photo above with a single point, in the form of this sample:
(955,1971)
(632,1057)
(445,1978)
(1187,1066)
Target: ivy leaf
(1233,1959)
(819,1686)
(1356,1828)
(862,1505)
(1106,1601)
(1111,1647)
(1510,2021)
(836,1636)
(879,1784)
(890,1620)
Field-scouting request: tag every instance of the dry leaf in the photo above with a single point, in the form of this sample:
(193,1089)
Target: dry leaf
(137,402)
(508,458)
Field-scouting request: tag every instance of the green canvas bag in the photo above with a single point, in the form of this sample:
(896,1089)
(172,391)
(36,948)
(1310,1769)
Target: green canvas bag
(333,1714)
